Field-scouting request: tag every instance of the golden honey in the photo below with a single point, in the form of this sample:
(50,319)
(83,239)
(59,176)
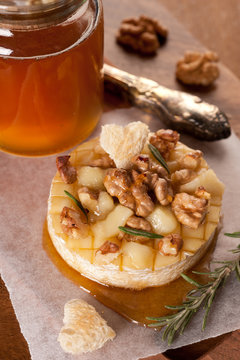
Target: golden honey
(134,305)
(51,83)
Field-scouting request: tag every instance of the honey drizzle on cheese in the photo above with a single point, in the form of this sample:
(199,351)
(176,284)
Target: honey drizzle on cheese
(80,157)
(134,305)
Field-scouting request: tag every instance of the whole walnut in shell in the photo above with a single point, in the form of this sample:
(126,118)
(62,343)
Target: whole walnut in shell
(198,68)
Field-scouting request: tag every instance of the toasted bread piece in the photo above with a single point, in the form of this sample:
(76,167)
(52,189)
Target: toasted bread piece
(122,143)
(84,329)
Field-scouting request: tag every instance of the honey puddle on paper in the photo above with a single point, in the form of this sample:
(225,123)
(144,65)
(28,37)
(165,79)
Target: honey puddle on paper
(134,305)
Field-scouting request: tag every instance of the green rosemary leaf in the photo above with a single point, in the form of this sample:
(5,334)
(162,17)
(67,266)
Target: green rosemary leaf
(158,324)
(182,319)
(177,307)
(188,298)
(203,273)
(234,235)
(236,251)
(211,298)
(222,282)
(190,314)
(168,330)
(191,292)
(168,317)
(77,202)
(237,268)
(202,296)
(138,232)
(203,287)
(191,281)
(205,319)
(222,262)
(158,156)
(171,336)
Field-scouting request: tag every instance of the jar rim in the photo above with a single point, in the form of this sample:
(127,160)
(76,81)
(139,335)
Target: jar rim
(98,12)
(36,13)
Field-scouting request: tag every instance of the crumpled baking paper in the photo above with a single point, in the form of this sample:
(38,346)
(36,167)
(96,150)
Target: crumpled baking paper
(39,291)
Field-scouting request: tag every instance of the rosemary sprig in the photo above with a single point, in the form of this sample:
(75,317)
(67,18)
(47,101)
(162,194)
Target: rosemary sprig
(138,232)
(235,234)
(158,156)
(77,202)
(237,250)
(203,295)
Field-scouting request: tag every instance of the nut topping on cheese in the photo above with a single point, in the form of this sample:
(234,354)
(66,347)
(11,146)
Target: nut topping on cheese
(165,141)
(68,173)
(73,220)
(190,210)
(191,160)
(108,247)
(139,223)
(171,244)
(142,199)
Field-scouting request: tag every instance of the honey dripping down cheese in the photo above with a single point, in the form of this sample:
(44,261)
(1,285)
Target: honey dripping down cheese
(134,265)
(139,279)
(134,305)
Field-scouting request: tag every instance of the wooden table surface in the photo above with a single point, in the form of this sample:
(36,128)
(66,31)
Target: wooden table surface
(204,19)
(226,94)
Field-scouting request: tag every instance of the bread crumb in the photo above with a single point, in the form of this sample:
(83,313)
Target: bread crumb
(84,329)
(122,143)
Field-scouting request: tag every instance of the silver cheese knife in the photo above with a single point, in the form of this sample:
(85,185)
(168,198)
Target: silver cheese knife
(178,110)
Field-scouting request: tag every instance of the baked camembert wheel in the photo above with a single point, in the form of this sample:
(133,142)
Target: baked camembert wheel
(118,182)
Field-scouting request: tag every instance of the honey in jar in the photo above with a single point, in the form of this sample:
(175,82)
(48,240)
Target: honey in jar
(51,58)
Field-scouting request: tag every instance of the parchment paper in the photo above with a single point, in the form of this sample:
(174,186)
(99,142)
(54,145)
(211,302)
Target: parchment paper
(39,291)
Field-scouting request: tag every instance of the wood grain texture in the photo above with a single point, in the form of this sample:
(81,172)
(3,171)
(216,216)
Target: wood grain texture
(226,94)
(229,348)
(13,346)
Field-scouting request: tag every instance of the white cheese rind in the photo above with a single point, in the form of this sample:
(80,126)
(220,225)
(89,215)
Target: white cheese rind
(110,274)
(119,272)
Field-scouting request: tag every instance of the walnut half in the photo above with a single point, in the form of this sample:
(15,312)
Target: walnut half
(165,141)
(170,245)
(108,247)
(131,193)
(143,34)
(67,172)
(155,177)
(190,210)
(198,69)
(143,163)
(71,220)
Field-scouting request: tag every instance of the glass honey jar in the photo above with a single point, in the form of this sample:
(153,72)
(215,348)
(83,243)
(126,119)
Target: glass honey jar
(51,58)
